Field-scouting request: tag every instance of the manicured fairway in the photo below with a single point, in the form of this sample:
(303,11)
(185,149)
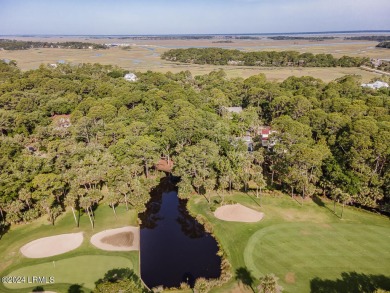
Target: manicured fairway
(82,266)
(308,247)
(83,270)
(299,252)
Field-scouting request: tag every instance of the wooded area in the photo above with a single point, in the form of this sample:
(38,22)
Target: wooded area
(331,139)
(24,45)
(289,38)
(385,44)
(369,38)
(218,56)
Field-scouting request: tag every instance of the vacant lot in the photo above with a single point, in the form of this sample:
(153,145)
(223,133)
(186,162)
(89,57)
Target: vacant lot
(145,55)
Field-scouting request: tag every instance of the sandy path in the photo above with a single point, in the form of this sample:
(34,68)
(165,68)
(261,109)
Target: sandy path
(53,245)
(96,239)
(237,213)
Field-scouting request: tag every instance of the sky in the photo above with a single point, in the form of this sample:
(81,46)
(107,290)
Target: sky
(134,17)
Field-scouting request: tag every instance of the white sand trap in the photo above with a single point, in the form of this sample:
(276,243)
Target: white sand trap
(120,239)
(237,213)
(53,245)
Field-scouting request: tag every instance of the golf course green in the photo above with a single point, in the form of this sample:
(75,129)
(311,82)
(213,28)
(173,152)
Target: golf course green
(307,246)
(78,269)
(297,252)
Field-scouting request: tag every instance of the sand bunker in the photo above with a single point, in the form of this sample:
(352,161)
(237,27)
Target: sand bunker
(120,239)
(237,213)
(53,245)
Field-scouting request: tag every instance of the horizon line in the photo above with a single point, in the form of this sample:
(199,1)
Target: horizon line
(202,34)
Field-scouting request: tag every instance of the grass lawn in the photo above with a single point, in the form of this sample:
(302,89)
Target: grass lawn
(82,266)
(80,270)
(304,251)
(307,247)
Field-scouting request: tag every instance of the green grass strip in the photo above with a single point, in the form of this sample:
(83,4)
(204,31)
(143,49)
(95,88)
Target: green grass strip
(83,270)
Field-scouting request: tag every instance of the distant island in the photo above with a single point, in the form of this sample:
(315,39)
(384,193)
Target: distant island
(218,56)
(384,45)
(223,42)
(369,35)
(24,45)
(289,38)
(369,38)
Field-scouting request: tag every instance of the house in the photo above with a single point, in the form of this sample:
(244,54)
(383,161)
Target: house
(376,85)
(130,77)
(164,165)
(265,134)
(247,139)
(229,112)
(233,62)
(376,62)
(61,121)
(236,110)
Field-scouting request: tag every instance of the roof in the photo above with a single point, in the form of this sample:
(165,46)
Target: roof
(376,85)
(266,130)
(234,109)
(246,138)
(163,165)
(381,83)
(130,76)
(61,121)
(265,133)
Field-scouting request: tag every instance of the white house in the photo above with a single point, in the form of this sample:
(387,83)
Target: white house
(376,85)
(130,77)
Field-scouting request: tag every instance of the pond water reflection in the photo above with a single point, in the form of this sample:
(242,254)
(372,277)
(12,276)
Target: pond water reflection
(174,247)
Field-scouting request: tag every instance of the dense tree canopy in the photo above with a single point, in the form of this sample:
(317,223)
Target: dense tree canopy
(385,44)
(24,45)
(78,136)
(218,56)
(379,38)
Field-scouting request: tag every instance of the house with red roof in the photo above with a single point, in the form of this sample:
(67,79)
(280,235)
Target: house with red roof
(265,135)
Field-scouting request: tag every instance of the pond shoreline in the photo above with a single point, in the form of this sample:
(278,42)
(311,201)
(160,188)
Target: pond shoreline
(175,248)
